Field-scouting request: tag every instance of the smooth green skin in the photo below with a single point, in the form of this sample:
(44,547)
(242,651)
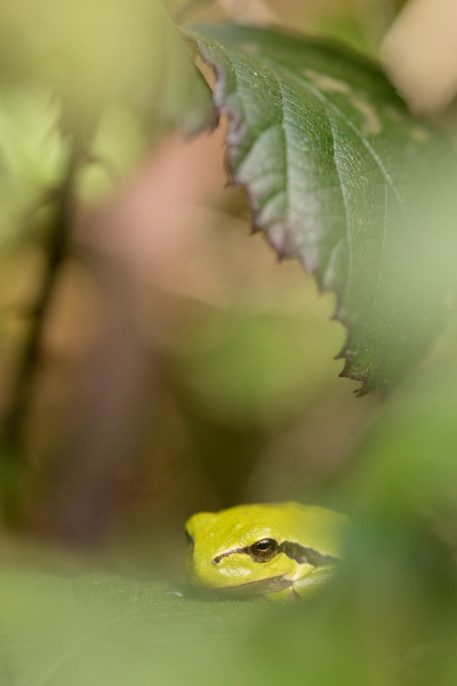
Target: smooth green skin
(216,533)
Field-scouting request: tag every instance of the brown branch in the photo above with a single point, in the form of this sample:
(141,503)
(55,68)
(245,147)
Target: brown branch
(12,448)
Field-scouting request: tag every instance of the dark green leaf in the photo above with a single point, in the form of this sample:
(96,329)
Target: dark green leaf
(333,164)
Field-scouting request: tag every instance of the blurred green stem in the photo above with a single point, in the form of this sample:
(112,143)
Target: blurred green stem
(13,430)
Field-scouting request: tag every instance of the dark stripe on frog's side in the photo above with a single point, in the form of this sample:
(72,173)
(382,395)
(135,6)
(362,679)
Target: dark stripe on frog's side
(294,551)
(303,555)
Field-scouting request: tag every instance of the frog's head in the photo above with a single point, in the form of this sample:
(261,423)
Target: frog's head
(260,548)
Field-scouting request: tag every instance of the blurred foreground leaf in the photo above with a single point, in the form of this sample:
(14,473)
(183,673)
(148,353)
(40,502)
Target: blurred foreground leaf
(390,619)
(108,630)
(408,460)
(334,166)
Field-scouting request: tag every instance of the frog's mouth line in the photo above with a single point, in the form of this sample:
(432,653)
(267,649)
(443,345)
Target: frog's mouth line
(294,551)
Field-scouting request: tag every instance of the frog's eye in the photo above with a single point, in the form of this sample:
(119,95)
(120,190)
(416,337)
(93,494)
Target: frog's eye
(264,550)
(189,538)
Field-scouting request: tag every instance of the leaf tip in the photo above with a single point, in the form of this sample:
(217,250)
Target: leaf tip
(278,238)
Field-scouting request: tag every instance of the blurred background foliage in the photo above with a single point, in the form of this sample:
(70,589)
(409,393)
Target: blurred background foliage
(240,379)
(160,362)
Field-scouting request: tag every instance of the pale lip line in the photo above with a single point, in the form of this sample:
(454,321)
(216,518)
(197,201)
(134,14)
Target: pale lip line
(276,583)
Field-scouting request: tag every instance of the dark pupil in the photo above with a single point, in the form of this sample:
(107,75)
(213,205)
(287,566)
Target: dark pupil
(265,545)
(264,550)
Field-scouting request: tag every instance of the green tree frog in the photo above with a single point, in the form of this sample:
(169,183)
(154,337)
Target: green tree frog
(280,550)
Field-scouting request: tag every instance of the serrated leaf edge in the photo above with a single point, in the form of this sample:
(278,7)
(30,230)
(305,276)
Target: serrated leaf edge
(277,241)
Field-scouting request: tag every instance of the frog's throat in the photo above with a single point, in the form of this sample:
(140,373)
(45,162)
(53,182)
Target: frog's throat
(295,551)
